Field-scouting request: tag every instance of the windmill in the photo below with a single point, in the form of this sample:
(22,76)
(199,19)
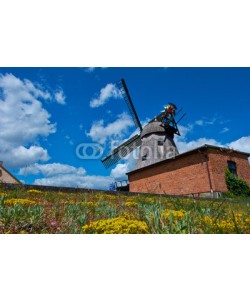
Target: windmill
(156,139)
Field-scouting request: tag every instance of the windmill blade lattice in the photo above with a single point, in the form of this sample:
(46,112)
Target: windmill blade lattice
(125,93)
(122,151)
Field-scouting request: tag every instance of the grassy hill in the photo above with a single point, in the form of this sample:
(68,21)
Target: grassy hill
(35,211)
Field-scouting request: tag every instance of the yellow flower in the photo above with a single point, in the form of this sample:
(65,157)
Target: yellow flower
(89,204)
(24,202)
(128,216)
(3,195)
(69,202)
(118,225)
(131,204)
(177,214)
(61,194)
(34,192)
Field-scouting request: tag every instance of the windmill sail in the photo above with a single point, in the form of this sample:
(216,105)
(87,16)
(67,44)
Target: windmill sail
(181,118)
(125,93)
(122,151)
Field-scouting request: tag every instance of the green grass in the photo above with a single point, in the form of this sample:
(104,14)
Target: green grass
(75,213)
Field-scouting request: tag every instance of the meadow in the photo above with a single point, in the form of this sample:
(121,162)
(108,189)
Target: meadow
(34,211)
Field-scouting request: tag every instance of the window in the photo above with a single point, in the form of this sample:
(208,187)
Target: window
(0,173)
(144,157)
(160,143)
(232,167)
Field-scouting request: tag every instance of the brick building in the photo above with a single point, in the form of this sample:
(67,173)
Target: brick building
(199,171)
(6,176)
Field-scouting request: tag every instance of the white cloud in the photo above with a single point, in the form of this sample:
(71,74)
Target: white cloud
(37,91)
(22,121)
(67,137)
(22,117)
(57,174)
(205,122)
(184,146)
(106,93)
(120,170)
(184,130)
(20,156)
(76,180)
(115,130)
(60,97)
(199,122)
(225,129)
(52,169)
(211,122)
(242,144)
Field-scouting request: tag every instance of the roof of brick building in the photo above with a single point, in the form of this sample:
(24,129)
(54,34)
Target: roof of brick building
(198,149)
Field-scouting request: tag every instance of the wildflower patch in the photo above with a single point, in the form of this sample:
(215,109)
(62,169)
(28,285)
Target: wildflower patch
(25,202)
(116,226)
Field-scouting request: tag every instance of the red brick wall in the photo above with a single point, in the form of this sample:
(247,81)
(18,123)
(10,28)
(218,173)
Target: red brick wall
(188,174)
(218,162)
(184,175)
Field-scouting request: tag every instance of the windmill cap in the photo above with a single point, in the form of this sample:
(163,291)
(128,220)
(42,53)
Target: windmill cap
(172,104)
(153,127)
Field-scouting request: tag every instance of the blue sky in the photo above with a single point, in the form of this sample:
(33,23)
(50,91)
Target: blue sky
(45,113)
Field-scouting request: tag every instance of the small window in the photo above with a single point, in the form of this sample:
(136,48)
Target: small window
(160,143)
(232,167)
(0,173)
(144,157)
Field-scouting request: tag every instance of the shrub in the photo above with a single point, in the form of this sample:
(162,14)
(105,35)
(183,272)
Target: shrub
(237,186)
